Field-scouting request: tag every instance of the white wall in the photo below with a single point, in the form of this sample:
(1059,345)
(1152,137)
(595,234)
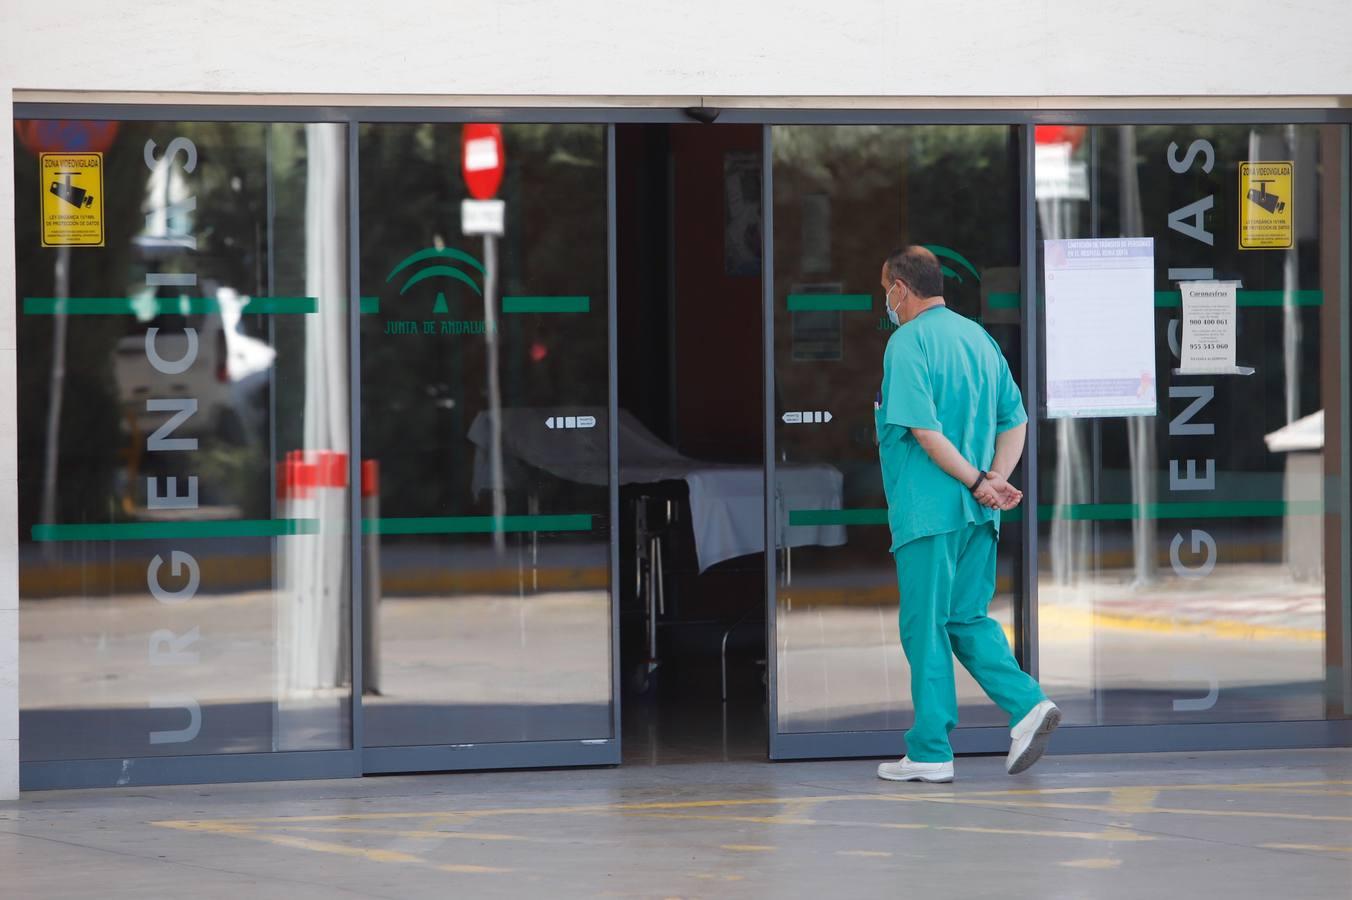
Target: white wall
(672,52)
(685,47)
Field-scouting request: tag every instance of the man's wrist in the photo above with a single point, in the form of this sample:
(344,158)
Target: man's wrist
(977,482)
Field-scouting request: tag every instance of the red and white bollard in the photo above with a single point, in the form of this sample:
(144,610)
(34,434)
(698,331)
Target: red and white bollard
(313,574)
(370,570)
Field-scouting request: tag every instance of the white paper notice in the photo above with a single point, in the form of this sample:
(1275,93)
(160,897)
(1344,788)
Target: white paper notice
(1100,348)
(1208,343)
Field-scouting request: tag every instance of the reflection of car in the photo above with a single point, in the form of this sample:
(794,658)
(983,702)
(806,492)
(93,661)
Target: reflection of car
(228,379)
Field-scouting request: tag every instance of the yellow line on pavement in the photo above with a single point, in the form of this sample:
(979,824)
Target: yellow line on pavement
(301,843)
(1111,834)
(1173,811)
(1309,792)
(928,797)
(1133,799)
(754,820)
(367,853)
(211,824)
(420,833)
(1318,788)
(1098,789)
(1318,848)
(748,848)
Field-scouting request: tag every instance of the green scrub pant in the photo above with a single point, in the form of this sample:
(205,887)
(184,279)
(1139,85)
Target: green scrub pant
(946,583)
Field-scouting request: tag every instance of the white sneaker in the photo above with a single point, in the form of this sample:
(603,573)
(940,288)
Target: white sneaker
(1028,739)
(905,770)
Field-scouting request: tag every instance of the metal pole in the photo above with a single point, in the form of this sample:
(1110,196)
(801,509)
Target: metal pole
(359,596)
(772,660)
(494,390)
(613,443)
(1344,384)
(55,392)
(1290,314)
(1026,636)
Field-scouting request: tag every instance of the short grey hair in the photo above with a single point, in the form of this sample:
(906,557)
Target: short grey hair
(917,268)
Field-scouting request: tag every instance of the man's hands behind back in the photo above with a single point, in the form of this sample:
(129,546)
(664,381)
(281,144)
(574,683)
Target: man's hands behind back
(995,492)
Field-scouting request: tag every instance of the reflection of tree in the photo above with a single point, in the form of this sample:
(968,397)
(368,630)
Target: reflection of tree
(231,229)
(89,445)
(1069,544)
(1136,190)
(956,186)
(1247,408)
(420,393)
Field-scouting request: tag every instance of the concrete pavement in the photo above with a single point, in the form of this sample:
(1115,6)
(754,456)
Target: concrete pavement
(1234,825)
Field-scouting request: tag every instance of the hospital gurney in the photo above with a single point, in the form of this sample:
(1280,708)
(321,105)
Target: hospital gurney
(726,500)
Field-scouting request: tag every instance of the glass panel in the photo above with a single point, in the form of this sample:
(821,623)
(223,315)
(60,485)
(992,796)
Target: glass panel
(182,334)
(1190,570)
(491,609)
(843,198)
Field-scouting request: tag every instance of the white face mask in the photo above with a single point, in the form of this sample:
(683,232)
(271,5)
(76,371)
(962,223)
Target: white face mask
(891,313)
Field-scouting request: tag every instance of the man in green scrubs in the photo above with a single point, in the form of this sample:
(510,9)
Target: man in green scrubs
(951,429)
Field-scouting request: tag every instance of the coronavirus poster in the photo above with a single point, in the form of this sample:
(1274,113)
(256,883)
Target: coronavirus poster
(1100,347)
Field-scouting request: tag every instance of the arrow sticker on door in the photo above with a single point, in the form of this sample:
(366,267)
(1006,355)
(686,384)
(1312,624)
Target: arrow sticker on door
(570,422)
(806,417)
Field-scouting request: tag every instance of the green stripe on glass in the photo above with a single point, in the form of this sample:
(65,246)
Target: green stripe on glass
(1214,509)
(369,306)
(476,524)
(1174,300)
(149,307)
(546,304)
(799,518)
(1003,300)
(146,531)
(281,306)
(841,302)
(1091,512)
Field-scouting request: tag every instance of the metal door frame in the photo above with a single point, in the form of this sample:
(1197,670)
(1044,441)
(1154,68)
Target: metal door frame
(358,760)
(513,754)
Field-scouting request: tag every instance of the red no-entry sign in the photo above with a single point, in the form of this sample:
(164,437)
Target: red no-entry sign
(1060,134)
(481,159)
(55,136)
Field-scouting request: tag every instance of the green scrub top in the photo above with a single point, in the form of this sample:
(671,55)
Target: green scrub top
(941,372)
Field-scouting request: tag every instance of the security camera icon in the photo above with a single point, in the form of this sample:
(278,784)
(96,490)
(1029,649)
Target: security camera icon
(77,197)
(1270,202)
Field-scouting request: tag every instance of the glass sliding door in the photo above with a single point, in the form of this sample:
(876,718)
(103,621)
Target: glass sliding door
(1191,568)
(486,369)
(843,198)
(182,325)
(204,304)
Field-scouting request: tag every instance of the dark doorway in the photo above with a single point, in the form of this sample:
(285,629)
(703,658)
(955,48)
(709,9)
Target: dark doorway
(688,225)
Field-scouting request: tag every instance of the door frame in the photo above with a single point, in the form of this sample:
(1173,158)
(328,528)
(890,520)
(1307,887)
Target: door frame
(356,760)
(505,754)
(880,743)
